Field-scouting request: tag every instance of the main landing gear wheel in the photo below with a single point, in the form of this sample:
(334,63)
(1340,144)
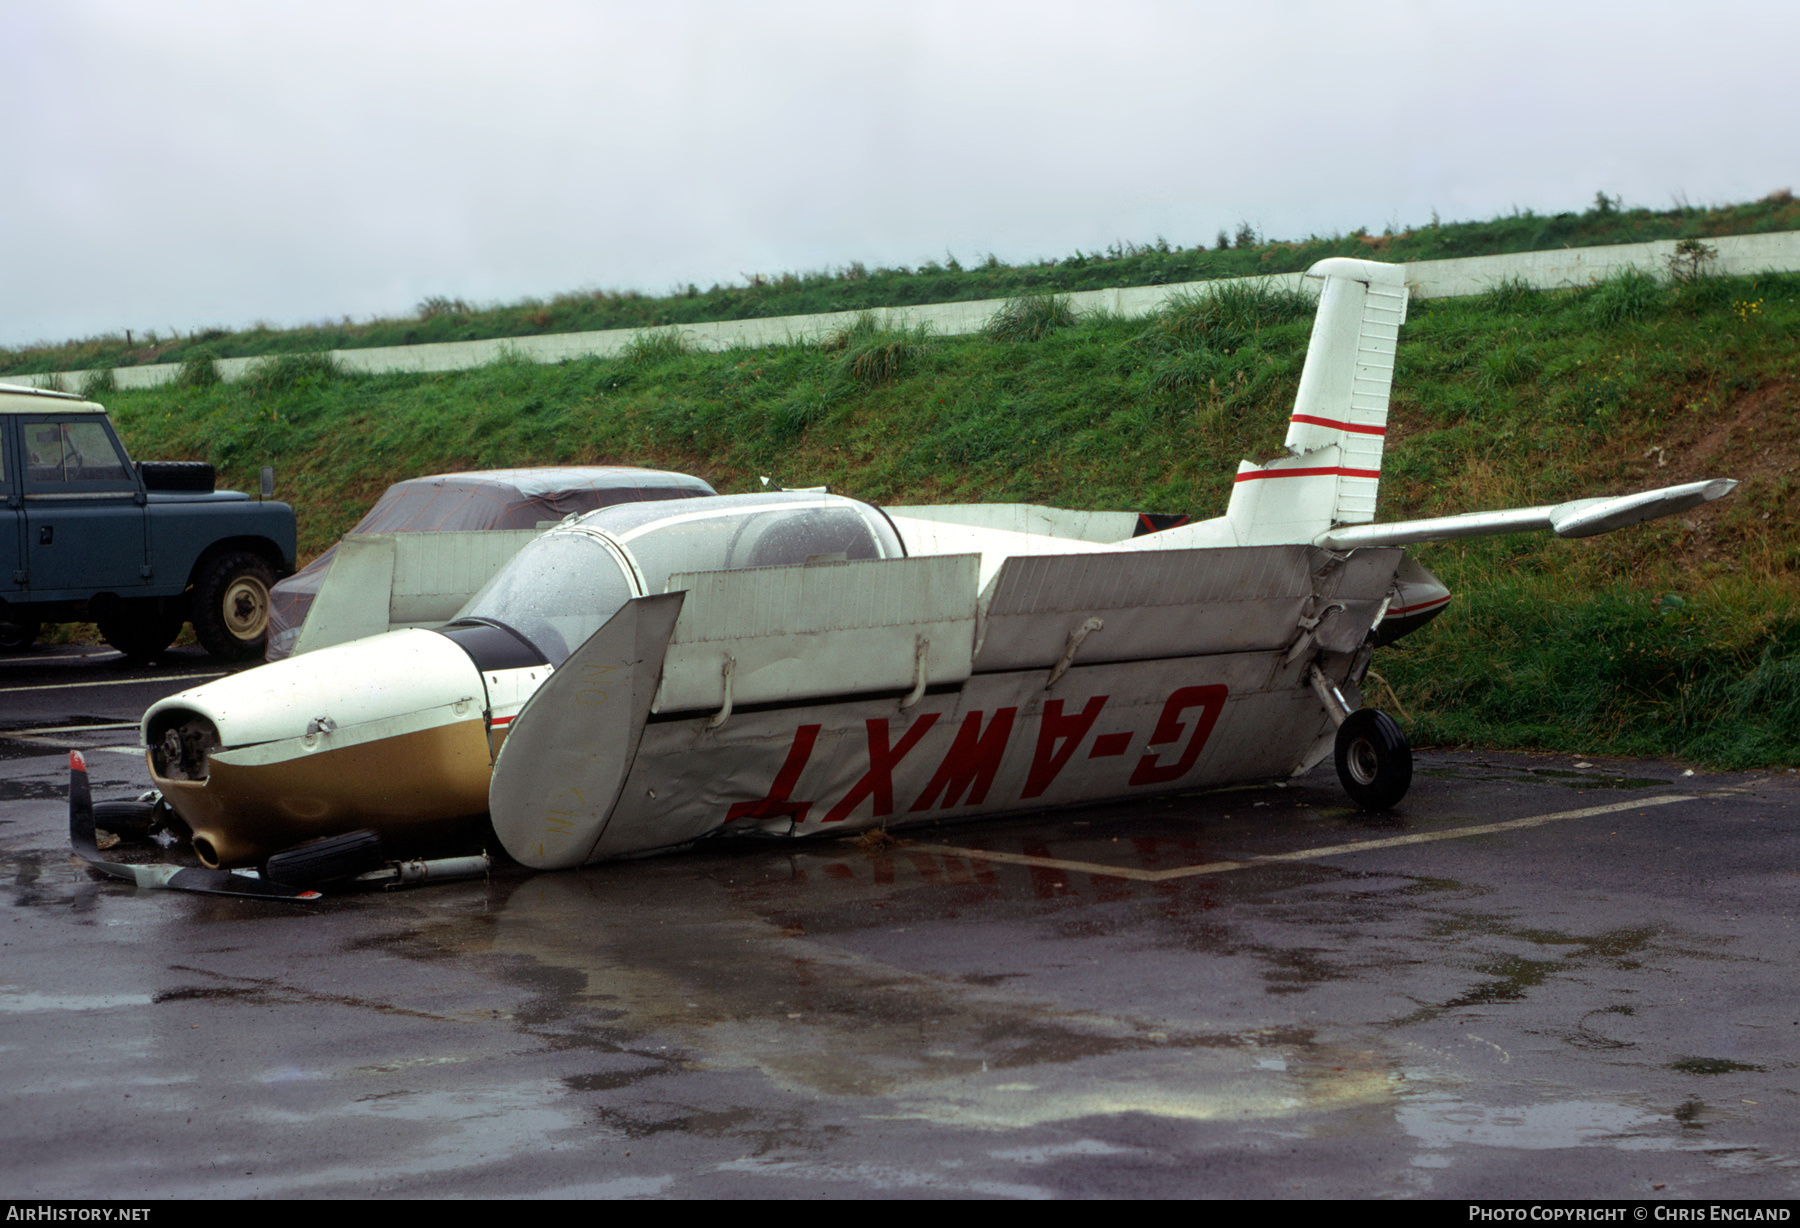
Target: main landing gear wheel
(1374,762)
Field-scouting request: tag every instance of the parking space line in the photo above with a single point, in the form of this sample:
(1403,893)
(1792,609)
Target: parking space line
(1336,850)
(55,743)
(58,737)
(34,658)
(65,744)
(66,686)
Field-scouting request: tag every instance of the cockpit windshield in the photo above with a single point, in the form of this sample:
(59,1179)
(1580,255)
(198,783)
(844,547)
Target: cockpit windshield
(563,586)
(555,592)
(737,531)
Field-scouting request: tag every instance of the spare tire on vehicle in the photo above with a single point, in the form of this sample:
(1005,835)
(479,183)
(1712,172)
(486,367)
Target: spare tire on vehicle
(189,476)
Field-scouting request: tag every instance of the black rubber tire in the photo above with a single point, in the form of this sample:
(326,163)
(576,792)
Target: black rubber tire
(18,634)
(229,606)
(191,476)
(140,629)
(125,818)
(1374,760)
(323,861)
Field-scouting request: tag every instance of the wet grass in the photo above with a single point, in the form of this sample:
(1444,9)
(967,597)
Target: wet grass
(1675,638)
(1623,671)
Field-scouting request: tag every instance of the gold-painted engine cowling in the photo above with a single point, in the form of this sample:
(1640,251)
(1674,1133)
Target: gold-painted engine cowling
(390,732)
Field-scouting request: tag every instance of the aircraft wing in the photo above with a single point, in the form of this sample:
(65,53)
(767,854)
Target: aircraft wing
(1577,518)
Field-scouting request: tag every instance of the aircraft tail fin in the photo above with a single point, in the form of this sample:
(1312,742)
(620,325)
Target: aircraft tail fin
(1332,469)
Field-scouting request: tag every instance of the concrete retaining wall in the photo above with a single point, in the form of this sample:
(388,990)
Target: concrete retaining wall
(1738,255)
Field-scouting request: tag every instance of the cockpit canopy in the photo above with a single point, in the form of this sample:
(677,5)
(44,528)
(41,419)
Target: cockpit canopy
(564,585)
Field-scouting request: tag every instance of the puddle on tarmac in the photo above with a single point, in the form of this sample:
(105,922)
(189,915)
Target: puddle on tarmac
(469,1127)
(49,879)
(1253,1083)
(1442,1121)
(629,964)
(616,955)
(1566,777)
(657,968)
(1511,976)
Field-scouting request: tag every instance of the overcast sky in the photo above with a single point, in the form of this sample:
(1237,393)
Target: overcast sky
(187,163)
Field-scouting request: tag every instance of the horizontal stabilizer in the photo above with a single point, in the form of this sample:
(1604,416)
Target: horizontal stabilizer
(1586,517)
(1579,518)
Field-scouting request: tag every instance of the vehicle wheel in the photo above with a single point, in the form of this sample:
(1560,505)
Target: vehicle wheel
(18,634)
(230,606)
(1374,762)
(324,861)
(140,629)
(134,819)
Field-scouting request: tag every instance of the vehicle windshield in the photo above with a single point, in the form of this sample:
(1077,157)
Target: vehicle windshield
(75,454)
(555,592)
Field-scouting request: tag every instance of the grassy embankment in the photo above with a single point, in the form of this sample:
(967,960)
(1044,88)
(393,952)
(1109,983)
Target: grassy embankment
(1678,637)
(856,288)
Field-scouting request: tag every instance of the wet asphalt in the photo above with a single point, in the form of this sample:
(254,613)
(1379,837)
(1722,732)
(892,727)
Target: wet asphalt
(1541,977)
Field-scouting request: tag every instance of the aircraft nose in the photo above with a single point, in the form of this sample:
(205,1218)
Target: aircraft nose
(397,677)
(388,732)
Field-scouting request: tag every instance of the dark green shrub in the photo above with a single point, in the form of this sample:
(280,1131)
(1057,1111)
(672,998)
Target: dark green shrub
(1031,318)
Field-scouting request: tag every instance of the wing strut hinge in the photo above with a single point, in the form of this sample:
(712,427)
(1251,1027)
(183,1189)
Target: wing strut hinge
(724,712)
(1336,706)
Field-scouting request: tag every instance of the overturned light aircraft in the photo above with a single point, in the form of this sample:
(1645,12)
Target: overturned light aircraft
(791,664)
